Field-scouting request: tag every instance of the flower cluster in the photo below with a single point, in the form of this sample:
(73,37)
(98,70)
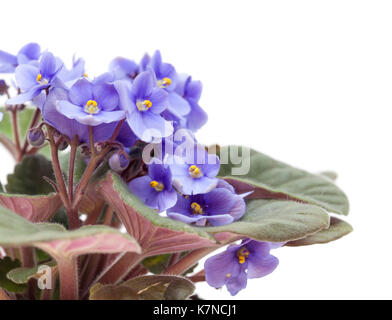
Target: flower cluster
(147,103)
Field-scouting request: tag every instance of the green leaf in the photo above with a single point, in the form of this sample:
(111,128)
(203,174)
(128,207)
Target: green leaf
(6,265)
(23,275)
(277,221)
(157,287)
(330,175)
(16,231)
(270,178)
(337,229)
(156,264)
(28,176)
(79,167)
(24,119)
(264,220)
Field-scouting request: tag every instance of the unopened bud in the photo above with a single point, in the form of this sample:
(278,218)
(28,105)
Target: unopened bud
(119,161)
(63,145)
(36,137)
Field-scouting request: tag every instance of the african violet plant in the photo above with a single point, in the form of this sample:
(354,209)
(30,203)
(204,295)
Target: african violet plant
(112,196)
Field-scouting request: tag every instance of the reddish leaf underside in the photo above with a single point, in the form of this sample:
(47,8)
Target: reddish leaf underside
(32,208)
(153,239)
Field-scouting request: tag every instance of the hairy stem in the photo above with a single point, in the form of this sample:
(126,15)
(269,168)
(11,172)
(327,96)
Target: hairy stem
(28,261)
(120,268)
(73,218)
(15,129)
(72,157)
(69,286)
(188,261)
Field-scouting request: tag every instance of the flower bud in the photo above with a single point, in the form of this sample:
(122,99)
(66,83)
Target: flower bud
(63,145)
(36,137)
(119,161)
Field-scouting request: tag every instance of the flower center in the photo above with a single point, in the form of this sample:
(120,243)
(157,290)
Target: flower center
(157,186)
(143,105)
(91,107)
(196,208)
(195,171)
(40,80)
(164,83)
(242,255)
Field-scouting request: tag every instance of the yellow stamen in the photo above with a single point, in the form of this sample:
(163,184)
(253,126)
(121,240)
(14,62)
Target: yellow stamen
(157,186)
(143,105)
(91,107)
(242,255)
(85,75)
(195,171)
(39,77)
(196,208)
(228,275)
(165,82)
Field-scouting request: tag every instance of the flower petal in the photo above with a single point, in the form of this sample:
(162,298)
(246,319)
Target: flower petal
(48,65)
(81,92)
(159,99)
(142,85)
(260,266)
(30,51)
(26,76)
(219,268)
(178,105)
(8,62)
(237,283)
(106,96)
(26,96)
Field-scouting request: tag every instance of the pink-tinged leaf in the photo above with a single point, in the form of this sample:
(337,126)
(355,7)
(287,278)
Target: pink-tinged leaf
(96,243)
(33,208)
(63,245)
(155,234)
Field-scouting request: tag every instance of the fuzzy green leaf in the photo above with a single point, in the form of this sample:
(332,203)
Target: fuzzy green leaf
(28,176)
(16,231)
(337,229)
(277,221)
(269,178)
(6,265)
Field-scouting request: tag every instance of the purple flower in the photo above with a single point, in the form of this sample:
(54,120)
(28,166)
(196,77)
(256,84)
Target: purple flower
(191,90)
(8,62)
(123,68)
(216,208)
(76,72)
(233,267)
(166,78)
(70,127)
(32,79)
(91,104)
(143,103)
(194,170)
(155,189)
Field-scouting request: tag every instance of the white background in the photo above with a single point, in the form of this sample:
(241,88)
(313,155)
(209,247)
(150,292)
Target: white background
(306,82)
